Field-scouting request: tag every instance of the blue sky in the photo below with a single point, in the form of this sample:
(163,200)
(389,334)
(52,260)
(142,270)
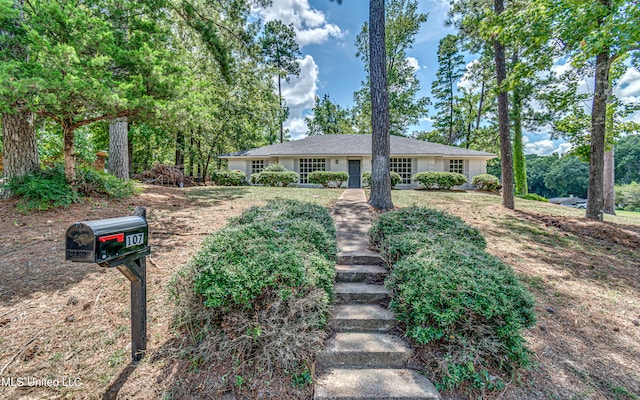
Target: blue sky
(326,33)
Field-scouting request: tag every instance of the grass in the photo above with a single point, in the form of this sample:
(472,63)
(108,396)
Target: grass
(479,200)
(214,194)
(586,284)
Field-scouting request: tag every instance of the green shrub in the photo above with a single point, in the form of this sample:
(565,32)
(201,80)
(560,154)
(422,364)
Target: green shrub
(628,196)
(487,182)
(440,180)
(224,177)
(533,196)
(395,178)
(275,178)
(42,190)
(259,291)
(461,305)
(411,226)
(49,189)
(275,167)
(326,178)
(91,182)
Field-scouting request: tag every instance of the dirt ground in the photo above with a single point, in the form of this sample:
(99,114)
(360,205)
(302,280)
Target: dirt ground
(585,277)
(70,321)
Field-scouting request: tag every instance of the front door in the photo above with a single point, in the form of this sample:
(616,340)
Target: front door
(354,174)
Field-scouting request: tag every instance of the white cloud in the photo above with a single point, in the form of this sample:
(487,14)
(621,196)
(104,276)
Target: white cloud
(300,94)
(413,63)
(629,84)
(310,24)
(465,82)
(297,128)
(563,148)
(542,148)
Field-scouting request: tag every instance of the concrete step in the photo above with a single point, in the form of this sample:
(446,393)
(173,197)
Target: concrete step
(360,273)
(364,350)
(360,293)
(363,257)
(362,318)
(373,384)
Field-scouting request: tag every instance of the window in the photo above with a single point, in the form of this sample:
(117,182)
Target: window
(257,166)
(309,165)
(402,166)
(456,166)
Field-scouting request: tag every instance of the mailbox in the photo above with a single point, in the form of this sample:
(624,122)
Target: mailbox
(105,240)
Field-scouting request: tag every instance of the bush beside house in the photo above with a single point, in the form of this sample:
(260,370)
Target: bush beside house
(275,175)
(395,178)
(440,180)
(327,178)
(225,177)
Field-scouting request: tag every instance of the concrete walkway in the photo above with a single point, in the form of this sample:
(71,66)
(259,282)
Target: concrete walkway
(364,359)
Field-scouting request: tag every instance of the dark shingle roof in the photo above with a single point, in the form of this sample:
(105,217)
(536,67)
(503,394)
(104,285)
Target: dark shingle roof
(352,145)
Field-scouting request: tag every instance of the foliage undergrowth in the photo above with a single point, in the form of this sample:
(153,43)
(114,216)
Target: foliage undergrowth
(533,196)
(395,178)
(48,188)
(326,178)
(628,196)
(486,182)
(225,177)
(440,180)
(275,175)
(256,296)
(462,307)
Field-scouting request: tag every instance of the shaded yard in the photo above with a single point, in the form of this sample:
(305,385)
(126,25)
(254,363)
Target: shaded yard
(585,277)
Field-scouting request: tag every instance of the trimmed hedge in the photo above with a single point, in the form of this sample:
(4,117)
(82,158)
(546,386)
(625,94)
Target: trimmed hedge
(395,178)
(259,291)
(225,177)
(325,178)
(275,178)
(440,180)
(486,182)
(462,306)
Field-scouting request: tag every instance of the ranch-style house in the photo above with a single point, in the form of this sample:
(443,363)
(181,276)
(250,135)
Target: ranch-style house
(352,154)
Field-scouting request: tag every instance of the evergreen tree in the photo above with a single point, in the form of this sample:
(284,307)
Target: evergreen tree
(281,51)
(450,70)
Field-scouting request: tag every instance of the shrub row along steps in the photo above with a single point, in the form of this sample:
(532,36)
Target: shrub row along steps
(364,359)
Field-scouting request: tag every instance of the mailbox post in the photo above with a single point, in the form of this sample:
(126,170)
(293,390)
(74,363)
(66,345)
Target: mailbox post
(120,243)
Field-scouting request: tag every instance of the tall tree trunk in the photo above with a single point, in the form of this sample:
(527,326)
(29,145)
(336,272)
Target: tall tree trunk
(20,144)
(281,110)
(595,194)
(179,163)
(480,104)
(68,130)
(503,117)
(380,140)
(609,182)
(119,148)
(519,165)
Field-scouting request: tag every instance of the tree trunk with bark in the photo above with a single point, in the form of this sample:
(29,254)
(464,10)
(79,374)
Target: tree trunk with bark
(595,193)
(119,148)
(519,164)
(179,163)
(68,130)
(609,182)
(503,117)
(380,140)
(20,144)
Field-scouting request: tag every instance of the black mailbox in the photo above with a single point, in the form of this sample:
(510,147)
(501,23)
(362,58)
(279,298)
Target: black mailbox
(105,240)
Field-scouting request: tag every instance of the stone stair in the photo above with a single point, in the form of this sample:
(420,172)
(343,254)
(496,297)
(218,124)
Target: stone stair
(364,359)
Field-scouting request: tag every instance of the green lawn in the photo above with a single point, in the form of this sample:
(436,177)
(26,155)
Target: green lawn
(476,201)
(215,194)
